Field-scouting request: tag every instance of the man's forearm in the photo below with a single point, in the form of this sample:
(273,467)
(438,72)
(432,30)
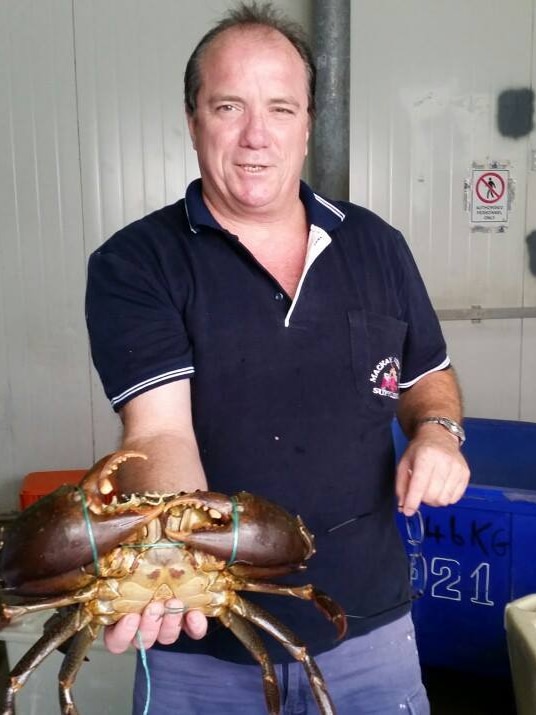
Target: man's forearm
(159,424)
(173,465)
(435,395)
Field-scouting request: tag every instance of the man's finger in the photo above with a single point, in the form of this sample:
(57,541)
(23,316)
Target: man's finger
(170,625)
(195,624)
(403,476)
(150,622)
(118,637)
(417,488)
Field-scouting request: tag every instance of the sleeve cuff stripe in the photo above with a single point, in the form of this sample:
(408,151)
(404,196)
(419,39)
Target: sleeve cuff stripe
(152,381)
(441,366)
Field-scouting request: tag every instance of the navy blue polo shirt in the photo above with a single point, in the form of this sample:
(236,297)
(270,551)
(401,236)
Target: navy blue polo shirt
(291,398)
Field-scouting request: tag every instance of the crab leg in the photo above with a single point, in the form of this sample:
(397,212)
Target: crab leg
(257,615)
(331,610)
(249,637)
(9,613)
(57,634)
(72,662)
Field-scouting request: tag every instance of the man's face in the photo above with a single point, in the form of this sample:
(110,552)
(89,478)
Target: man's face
(251,125)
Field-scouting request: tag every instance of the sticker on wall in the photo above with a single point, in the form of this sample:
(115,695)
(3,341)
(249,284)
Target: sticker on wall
(489,195)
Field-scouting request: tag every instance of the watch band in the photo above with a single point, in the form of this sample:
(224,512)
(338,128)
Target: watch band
(451,425)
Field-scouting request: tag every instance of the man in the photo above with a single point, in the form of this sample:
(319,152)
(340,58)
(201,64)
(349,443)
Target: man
(240,334)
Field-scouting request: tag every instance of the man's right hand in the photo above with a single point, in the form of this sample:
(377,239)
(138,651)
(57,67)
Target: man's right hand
(159,621)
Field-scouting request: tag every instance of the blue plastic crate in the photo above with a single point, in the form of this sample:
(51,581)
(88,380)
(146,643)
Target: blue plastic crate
(479,554)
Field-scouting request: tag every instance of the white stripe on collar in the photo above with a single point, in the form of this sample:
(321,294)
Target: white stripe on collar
(330,206)
(192,229)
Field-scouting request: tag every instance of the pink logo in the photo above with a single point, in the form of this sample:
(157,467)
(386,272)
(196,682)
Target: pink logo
(385,377)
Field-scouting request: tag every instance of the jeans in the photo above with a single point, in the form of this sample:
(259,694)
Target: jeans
(377,673)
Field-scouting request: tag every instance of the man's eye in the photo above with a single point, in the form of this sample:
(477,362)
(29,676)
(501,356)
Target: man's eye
(283,110)
(226,108)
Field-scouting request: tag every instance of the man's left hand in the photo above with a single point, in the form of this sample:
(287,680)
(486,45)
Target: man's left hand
(432,470)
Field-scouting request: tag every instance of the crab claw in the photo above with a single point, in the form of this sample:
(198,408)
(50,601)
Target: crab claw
(68,528)
(245,528)
(101,479)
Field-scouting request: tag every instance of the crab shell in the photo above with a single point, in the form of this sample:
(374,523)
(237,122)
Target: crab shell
(52,545)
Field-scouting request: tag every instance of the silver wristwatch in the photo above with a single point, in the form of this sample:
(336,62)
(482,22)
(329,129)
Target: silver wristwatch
(453,427)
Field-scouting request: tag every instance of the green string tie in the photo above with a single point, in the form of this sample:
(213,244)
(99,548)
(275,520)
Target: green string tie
(89,531)
(236,517)
(145,664)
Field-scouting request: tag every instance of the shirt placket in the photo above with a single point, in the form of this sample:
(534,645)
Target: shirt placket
(318,241)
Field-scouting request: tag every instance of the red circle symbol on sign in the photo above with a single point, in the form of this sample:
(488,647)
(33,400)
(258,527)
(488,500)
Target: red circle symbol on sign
(490,187)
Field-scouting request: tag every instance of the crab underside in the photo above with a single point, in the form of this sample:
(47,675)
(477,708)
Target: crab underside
(93,555)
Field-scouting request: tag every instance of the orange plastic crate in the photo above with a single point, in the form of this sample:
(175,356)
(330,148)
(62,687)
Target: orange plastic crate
(37,484)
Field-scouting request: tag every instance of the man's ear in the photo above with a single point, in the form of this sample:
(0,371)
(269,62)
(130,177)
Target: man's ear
(191,128)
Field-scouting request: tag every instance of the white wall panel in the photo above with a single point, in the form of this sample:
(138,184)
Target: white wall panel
(425,83)
(528,372)
(45,419)
(426,78)
(487,356)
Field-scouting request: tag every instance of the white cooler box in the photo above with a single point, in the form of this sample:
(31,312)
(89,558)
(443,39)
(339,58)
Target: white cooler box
(104,683)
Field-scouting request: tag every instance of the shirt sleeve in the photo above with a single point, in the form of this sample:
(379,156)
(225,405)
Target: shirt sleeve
(137,334)
(425,349)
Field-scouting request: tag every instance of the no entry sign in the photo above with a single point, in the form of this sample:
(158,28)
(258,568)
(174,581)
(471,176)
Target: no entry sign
(489,201)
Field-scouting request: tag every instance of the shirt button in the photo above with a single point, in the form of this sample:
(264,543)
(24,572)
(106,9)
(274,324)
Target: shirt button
(279,296)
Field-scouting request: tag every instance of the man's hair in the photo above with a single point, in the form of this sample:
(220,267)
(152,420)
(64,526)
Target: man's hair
(247,15)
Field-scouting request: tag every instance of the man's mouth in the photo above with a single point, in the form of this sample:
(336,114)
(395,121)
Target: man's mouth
(252,168)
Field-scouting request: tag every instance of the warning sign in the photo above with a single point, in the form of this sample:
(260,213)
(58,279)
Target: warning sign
(489,201)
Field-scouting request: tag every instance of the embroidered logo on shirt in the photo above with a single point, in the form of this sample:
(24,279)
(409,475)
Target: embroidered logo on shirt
(385,377)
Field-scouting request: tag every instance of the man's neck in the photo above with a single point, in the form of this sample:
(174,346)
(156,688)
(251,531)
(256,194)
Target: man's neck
(278,243)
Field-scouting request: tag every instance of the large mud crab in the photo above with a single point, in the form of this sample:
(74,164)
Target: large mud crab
(89,553)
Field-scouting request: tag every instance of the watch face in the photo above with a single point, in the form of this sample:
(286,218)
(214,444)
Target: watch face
(453,427)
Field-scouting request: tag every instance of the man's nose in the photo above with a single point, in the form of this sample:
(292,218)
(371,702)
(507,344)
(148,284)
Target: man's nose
(255,131)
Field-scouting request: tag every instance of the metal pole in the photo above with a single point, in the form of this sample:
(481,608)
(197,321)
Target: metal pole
(331,46)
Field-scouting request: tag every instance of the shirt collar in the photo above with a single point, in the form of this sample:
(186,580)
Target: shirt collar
(320,212)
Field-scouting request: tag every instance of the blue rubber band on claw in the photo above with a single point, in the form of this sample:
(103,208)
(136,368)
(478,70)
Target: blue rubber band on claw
(235,517)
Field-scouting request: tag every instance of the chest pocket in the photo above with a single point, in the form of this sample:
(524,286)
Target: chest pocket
(377,344)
